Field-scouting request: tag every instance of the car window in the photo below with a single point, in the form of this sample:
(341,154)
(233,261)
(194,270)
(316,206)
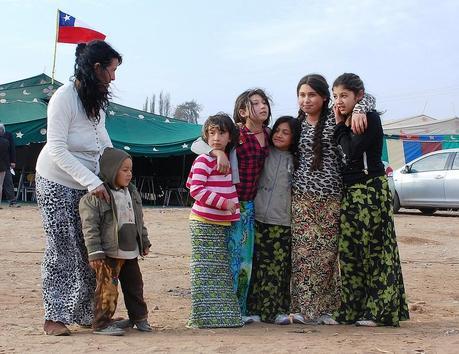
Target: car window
(430,163)
(456,162)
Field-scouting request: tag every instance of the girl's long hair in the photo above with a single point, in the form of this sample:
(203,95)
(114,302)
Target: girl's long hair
(92,92)
(319,84)
(243,102)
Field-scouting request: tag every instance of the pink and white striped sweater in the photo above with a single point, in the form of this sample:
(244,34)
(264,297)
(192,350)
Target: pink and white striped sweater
(211,191)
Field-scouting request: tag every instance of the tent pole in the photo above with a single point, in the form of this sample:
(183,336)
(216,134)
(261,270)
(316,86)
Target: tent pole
(55,47)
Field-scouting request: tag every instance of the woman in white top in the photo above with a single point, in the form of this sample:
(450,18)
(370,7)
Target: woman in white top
(67,168)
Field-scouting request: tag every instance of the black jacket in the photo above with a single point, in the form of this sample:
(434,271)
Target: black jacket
(353,147)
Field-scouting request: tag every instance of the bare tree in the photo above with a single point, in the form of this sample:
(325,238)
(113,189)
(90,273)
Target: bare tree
(164,104)
(145,105)
(153,104)
(188,111)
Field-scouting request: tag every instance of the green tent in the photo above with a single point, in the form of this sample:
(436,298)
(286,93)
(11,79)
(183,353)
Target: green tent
(23,107)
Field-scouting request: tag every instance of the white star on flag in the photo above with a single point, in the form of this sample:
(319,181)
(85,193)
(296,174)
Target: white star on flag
(66,17)
(19,135)
(112,113)
(185,146)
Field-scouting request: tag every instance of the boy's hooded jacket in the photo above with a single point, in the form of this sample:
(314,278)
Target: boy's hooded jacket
(99,218)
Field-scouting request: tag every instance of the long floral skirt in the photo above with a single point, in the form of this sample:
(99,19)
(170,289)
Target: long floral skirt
(371,274)
(213,301)
(68,281)
(269,292)
(240,247)
(315,275)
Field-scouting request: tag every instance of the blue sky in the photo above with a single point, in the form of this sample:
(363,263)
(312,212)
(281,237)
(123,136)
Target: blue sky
(407,52)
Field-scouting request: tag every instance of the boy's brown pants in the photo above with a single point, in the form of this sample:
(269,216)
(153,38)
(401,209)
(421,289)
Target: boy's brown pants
(127,271)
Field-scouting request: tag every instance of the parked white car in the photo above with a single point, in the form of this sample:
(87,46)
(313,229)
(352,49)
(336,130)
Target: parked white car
(428,183)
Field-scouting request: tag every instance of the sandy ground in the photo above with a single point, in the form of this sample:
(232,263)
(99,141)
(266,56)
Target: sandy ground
(429,247)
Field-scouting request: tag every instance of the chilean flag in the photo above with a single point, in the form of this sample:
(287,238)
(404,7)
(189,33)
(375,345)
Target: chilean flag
(72,30)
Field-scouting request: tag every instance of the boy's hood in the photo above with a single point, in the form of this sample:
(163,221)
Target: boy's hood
(110,162)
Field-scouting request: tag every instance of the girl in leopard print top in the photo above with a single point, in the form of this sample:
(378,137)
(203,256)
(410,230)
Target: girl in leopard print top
(316,196)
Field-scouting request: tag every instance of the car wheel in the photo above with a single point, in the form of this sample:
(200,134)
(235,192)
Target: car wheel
(428,211)
(396,203)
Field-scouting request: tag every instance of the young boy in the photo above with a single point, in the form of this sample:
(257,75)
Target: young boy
(115,236)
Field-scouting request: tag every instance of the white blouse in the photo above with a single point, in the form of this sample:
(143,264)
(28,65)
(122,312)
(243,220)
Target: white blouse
(74,144)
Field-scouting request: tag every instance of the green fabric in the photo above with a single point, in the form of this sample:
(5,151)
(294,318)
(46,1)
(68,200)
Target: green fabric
(371,274)
(269,292)
(213,301)
(385,154)
(23,106)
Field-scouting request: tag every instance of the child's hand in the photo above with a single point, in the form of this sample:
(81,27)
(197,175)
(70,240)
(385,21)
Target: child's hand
(223,165)
(146,251)
(338,116)
(96,263)
(231,206)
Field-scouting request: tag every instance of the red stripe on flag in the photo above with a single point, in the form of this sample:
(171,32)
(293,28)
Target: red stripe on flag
(78,35)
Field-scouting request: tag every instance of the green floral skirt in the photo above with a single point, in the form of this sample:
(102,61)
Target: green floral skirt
(269,292)
(213,301)
(371,275)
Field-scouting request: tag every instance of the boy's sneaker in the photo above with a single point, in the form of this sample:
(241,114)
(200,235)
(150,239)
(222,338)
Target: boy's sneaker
(327,320)
(123,324)
(141,325)
(109,331)
(282,319)
(366,323)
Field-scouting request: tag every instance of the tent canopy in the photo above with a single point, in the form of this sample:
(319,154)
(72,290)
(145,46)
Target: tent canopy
(23,109)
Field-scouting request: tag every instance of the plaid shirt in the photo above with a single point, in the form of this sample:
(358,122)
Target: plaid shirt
(251,157)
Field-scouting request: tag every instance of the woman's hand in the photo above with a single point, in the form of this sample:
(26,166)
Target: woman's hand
(359,123)
(223,164)
(96,263)
(101,193)
(146,251)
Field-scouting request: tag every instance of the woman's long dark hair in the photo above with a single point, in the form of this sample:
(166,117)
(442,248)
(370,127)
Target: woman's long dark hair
(90,89)
(320,85)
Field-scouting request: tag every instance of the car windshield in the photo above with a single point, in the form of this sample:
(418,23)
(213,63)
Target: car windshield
(430,163)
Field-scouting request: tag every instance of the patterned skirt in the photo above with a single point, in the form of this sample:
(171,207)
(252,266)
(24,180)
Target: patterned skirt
(240,247)
(68,281)
(213,301)
(315,273)
(269,292)
(371,274)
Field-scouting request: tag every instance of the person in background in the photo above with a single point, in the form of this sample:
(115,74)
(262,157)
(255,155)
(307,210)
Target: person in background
(8,186)
(67,169)
(4,158)
(216,207)
(115,236)
(269,291)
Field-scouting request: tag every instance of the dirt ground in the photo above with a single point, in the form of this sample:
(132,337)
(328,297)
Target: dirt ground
(429,247)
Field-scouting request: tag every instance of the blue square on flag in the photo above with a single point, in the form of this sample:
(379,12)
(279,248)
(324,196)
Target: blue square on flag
(66,19)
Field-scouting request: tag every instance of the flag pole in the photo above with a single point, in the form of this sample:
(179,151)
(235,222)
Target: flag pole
(55,47)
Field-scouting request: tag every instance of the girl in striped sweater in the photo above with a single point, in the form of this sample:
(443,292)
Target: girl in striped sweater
(216,206)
